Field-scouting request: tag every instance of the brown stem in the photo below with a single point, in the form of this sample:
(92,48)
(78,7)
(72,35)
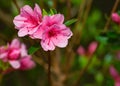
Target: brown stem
(109,19)
(54,4)
(7,19)
(76,40)
(17,6)
(49,69)
(68,9)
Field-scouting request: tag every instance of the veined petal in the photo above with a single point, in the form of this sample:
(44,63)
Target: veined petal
(47,44)
(37,12)
(26,11)
(19,21)
(60,41)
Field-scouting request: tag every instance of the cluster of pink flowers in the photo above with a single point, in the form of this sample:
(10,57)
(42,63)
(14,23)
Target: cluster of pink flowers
(89,52)
(49,28)
(15,54)
(115,75)
(116,18)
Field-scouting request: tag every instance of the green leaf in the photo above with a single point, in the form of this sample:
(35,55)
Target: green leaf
(53,11)
(33,49)
(44,12)
(69,22)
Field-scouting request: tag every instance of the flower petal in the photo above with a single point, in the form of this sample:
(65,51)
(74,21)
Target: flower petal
(57,19)
(47,44)
(15,64)
(22,32)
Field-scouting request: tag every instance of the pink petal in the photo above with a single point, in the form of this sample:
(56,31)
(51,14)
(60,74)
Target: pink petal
(58,18)
(14,54)
(47,44)
(3,55)
(15,43)
(26,11)
(33,30)
(27,63)
(15,64)
(37,12)
(117,83)
(65,31)
(38,34)
(19,21)
(23,50)
(60,41)
(22,32)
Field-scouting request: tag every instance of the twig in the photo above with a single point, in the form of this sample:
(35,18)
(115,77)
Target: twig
(109,19)
(54,4)
(68,9)
(49,69)
(83,71)
(17,6)
(6,18)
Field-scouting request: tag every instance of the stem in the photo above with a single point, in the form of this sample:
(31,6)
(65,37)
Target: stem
(83,71)
(17,6)
(69,9)
(109,19)
(49,69)
(54,4)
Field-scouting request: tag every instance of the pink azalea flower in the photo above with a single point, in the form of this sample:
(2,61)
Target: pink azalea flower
(28,21)
(53,32)
(116,18)
(56,33)
(89,52)
(115,75)
(16,53)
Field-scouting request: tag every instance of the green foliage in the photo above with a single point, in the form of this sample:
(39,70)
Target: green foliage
(44,12)
(69,22)
(33,49)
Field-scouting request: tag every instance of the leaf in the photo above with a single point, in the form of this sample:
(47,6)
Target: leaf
(53,11)
(69,22)
(44,12)
(33,49)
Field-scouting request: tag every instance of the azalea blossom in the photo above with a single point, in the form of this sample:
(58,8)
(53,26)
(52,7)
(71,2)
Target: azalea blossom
(115,75)
(16,55)
(89,52)
(116,18)
(53,32)
(28,21)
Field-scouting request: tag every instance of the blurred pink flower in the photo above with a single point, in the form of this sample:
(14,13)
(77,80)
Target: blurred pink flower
(28,21)
(89,52)
(116,18)
(53,32)
(115,75)
(15,52)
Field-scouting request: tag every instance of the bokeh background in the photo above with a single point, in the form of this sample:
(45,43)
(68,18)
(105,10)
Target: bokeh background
(91,16)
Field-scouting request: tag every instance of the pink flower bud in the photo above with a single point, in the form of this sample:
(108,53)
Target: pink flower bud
(116,18)
(81,50)
(92,48)
(115,75)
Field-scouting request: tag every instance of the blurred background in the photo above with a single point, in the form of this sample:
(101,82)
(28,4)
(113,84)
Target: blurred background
(71,67)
